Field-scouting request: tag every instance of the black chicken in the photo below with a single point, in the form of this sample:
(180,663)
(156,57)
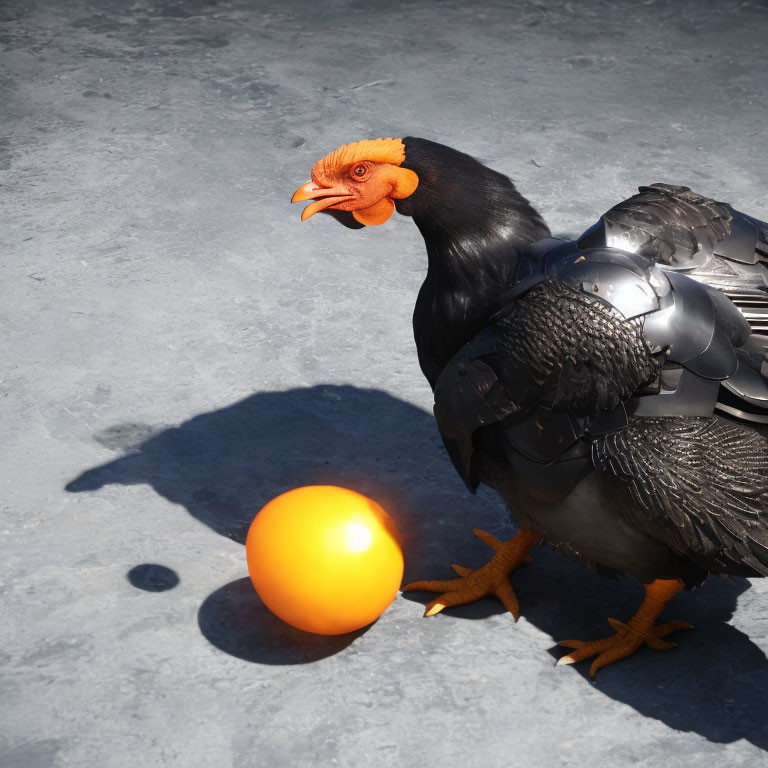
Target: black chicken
(607,387)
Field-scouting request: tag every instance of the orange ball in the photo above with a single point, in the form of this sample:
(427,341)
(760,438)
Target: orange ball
(324,559)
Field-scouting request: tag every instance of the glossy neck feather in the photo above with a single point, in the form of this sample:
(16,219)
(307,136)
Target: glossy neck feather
(473,221)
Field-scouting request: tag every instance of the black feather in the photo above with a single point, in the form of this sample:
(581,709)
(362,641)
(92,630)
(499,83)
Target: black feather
(473,221)
(670,224)
(700,485)
(568,350)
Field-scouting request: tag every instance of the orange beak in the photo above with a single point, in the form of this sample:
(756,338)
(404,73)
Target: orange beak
(329,196)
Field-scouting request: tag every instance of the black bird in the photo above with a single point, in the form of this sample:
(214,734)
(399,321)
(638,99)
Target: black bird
(610,388)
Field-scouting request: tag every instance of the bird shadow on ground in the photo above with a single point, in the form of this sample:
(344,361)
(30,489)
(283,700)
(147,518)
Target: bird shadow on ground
(222,466)
(714,683)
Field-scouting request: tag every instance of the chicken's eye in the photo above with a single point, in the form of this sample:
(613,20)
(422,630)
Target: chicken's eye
(359,171)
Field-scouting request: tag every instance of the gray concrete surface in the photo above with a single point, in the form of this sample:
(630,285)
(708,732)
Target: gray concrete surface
(177,349)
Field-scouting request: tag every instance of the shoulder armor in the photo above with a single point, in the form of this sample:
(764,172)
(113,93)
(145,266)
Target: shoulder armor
(685,327)
(682,317)
(692,323)
(625,281)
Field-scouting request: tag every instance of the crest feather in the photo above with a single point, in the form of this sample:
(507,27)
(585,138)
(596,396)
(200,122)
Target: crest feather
(390,151)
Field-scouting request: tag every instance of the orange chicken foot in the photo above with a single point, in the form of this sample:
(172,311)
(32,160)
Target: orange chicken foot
(491,579)
(641,628)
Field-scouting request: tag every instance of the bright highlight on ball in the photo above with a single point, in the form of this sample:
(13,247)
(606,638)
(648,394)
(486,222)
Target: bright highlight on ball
(324,559)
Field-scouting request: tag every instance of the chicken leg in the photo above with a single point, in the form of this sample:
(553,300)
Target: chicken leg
(641,628)
(491,579)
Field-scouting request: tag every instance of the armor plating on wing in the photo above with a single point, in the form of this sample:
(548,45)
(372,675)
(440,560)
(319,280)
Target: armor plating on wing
(692,332)
(684,232)
(707,240)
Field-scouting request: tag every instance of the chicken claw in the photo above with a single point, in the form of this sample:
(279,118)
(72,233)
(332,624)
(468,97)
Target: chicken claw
(641,628)
(491,579)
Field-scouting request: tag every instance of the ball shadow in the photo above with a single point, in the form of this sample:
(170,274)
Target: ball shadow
(234,619)
(151,577)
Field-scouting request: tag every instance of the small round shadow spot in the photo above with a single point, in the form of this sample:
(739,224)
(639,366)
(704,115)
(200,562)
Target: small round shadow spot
(152,577)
